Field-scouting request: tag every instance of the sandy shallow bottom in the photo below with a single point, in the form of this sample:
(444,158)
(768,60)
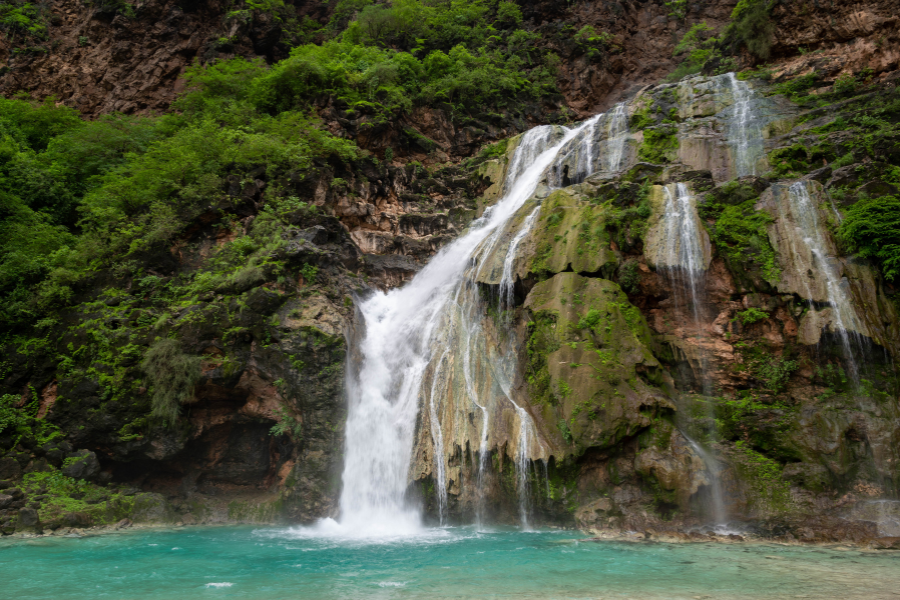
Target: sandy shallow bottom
(326,562)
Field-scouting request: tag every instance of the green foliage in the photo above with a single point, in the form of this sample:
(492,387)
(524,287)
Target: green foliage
(287,423)
(741,231)
(772,371)
(751,316)
(541,342)
(23,19)
(751,25)
(788,162)
(797,87)
(845,84)
(172,375)
(871,227)
(697,46)
(309,273)
(678,8)
(659,144)
(60,494)
(629,277)
(79,197)
(764,477)
(11,418)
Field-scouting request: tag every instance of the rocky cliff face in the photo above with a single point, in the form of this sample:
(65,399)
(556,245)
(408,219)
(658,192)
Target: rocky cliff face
(771,392)
(776,358)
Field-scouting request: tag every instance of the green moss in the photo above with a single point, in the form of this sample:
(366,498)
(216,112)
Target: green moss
(763,476)
(790,162)
(660,144)
(741,233)
(542,341)
(66,495)
(586,342)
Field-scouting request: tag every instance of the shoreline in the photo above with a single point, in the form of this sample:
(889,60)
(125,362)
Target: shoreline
(877,545)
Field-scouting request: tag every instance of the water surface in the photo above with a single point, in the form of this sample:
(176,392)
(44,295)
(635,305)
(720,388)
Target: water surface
(244,562)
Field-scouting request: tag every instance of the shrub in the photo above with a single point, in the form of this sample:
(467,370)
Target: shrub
(741,233)
(752,26)
(751,316)
(871,228)
(845,83)
(172,375)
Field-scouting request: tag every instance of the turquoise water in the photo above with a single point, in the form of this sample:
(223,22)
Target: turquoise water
(243,562)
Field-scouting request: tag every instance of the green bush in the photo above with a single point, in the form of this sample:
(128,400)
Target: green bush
(871,227)
(741,233)
(659,143)
(172,375)
(845,84)
(20,18)
(751,316)
(751,25)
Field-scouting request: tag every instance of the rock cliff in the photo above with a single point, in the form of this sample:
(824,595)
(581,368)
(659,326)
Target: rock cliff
(770,393)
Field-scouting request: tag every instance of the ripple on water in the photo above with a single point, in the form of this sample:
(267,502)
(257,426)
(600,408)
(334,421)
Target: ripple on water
(442,564)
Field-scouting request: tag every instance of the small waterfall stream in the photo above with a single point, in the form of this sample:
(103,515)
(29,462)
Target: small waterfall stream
(683,257)
(414,339)
(812,233)
(745,135)
(616,136)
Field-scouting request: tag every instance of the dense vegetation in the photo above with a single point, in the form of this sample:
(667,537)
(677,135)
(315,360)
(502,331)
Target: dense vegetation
(79,200)
(750,28)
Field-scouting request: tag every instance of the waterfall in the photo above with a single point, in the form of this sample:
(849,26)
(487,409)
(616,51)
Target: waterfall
(413,336)
(717,501)
(507,282)
(744,136)
(616,136)
(681,248)
(683,257)
(812,234)
(599,147)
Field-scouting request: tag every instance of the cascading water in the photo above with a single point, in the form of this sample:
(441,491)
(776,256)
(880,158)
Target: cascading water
(616,136)
(412,339)
(683,257)
(812,234)
(745,135)
(599,148)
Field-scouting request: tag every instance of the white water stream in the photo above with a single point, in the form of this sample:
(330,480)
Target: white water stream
(745,135)
(413,337)
(682,256)
(814,236)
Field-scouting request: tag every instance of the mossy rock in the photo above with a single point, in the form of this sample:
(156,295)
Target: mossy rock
(570,234)
(587,351)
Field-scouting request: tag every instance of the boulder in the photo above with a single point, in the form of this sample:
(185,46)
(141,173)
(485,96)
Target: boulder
(5,501)
(153,508)
(76,519)
(9,468)
(82,464)
(29,521)
(886,543)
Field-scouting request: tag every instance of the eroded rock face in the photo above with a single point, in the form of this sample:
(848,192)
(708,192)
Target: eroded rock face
(622,379)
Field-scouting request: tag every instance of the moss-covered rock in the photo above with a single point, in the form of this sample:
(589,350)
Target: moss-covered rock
(589,352)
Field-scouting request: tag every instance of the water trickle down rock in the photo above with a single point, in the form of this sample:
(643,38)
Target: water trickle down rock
(842,295)
(605,147)
(678,245)
(724,125)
